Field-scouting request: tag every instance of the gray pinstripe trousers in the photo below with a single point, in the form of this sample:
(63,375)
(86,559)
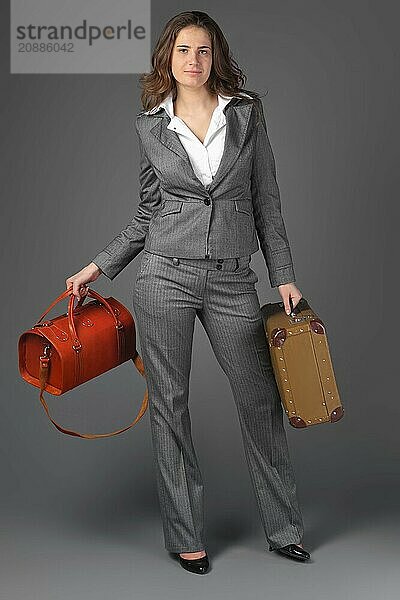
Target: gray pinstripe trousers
(168,294)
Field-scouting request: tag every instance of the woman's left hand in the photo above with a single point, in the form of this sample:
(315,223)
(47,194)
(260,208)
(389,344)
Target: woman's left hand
(287,290)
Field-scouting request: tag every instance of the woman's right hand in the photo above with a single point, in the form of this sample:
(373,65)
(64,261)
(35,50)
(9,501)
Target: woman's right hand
(77,283)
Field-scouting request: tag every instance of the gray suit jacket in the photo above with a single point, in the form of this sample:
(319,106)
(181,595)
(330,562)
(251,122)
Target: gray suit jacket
(178,215)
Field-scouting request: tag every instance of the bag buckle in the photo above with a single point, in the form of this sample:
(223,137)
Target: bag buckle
(46,355)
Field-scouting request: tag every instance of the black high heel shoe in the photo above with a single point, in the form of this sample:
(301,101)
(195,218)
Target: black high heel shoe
(293,551)
(195,565)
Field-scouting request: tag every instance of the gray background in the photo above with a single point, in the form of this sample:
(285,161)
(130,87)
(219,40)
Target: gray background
(80,518)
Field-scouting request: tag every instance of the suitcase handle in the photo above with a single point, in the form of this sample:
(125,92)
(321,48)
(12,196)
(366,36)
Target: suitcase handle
(295,310)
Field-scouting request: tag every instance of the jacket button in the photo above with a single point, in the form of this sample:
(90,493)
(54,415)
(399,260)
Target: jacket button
(219,266)
(207,201)
(220,260)
(175,261)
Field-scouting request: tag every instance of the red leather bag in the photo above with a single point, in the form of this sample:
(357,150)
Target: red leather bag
(59,354)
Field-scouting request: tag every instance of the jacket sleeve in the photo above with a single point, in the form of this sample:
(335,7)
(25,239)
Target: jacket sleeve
(131,240)
(267,208)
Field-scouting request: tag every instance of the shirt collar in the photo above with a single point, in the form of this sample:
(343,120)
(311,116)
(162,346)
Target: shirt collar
(168,105)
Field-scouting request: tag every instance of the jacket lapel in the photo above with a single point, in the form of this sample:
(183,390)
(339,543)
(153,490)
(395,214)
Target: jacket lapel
(237,120)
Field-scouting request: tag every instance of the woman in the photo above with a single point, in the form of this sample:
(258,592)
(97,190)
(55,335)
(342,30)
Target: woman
(208,197)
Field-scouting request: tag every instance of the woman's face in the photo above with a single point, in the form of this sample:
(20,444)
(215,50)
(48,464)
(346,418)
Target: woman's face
(191,57)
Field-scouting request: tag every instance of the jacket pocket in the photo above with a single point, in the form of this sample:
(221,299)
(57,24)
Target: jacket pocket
(171,206)
(244,206)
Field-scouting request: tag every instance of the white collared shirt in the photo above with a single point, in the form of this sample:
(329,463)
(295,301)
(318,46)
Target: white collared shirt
(204,157)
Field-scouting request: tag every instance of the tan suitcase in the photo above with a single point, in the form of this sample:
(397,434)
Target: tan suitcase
(302,364)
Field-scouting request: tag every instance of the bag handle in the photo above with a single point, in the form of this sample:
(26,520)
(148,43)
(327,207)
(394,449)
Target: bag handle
(45,361)
(71,325)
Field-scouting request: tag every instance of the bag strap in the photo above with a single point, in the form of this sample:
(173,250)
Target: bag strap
(43,375)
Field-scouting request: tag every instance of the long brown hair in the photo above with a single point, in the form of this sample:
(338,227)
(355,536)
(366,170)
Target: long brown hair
(225,78)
